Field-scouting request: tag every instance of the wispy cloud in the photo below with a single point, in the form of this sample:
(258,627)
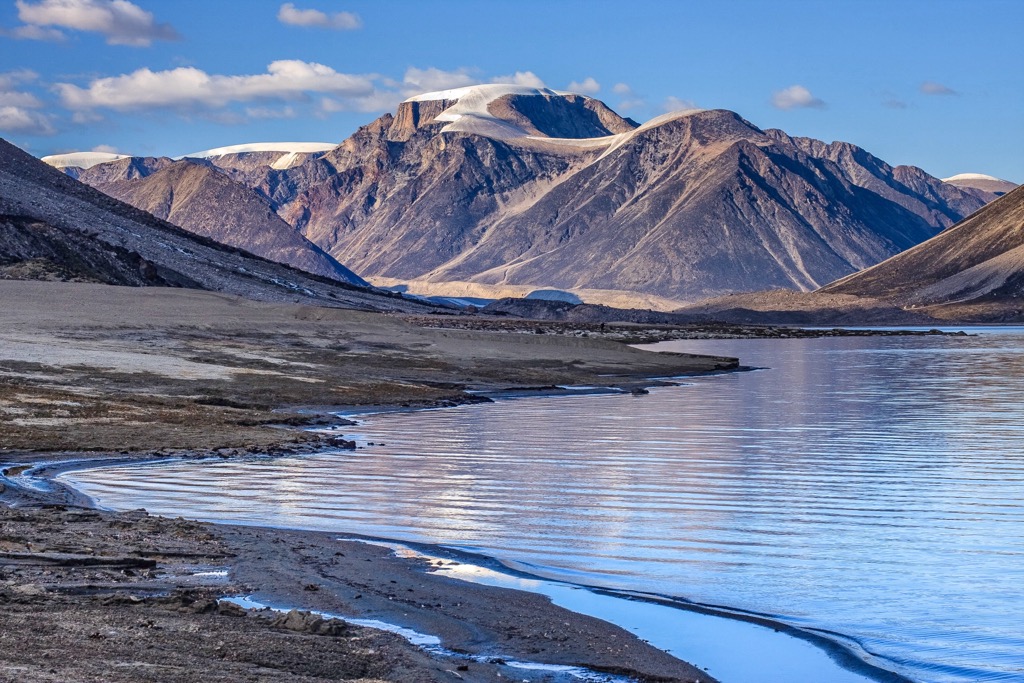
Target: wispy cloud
(933,88)
(340,21)
(21,120)
(630,100)
(672,103)
(796,97)
(19,108)
(416,81)
(524,78)
(120,21)
(287,112)
(588,86)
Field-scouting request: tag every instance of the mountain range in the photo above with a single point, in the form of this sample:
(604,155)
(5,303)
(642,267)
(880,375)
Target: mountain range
(506,188)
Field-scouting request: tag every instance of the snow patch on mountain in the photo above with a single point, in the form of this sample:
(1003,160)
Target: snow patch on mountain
(470,113)
(973,176)
(81,160)
(285,147)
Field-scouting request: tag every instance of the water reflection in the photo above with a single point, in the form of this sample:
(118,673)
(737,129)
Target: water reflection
(870,486)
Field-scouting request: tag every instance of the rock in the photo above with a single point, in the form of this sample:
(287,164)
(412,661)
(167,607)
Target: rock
(306,622)
(230,609)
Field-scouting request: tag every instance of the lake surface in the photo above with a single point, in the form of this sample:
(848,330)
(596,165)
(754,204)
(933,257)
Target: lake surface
(868,487)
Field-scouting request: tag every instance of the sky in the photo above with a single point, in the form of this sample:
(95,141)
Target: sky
(932,83)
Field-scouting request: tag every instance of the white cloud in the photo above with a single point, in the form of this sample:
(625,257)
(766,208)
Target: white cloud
(622,89)
(588,86)
(796,97)
(120,21)
(524,78)
(672,103)
(108,149)
(418,81)
(20,120)
(189,86)
(933,88)
(342,21)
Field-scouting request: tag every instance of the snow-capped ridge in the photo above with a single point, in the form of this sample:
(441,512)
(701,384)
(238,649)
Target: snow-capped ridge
(82,160)
(973,176)
(471,112)
(286,147)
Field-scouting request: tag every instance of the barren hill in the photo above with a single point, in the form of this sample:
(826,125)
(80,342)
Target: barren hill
(52,226)
(978,261)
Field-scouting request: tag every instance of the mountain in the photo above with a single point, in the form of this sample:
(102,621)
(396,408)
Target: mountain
(505,186)
(977,264)
(490,186)
(198,197)
(250,162)
(54,227)
(984,186)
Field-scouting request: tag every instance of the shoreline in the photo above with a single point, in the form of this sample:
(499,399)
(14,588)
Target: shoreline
(91,373)
(300,569)
(836,646)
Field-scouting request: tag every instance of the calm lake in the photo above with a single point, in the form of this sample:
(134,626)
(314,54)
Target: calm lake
(871,488)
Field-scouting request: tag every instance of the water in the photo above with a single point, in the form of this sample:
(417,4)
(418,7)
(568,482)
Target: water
(868,487)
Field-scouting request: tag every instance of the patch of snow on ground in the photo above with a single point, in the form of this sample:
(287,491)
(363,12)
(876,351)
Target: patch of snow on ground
(973,176)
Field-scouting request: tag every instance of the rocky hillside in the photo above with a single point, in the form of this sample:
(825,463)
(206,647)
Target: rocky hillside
(507,186)
(198,197)
(979,261)
(54,227)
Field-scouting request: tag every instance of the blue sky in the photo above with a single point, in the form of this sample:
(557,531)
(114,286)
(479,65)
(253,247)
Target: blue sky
(933,83)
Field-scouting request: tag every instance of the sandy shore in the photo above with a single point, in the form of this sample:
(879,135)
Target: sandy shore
(97,373)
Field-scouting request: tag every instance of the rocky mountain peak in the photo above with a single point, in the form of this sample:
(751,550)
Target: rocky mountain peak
(508,112)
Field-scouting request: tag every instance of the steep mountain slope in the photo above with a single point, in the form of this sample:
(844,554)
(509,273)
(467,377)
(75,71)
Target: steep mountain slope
(979,260)
(201,199)
(54,226)
(505,186)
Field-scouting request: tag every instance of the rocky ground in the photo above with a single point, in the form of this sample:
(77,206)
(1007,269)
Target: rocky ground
(640,333)
(88,595)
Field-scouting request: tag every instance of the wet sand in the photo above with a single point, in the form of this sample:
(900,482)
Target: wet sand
(105,373)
